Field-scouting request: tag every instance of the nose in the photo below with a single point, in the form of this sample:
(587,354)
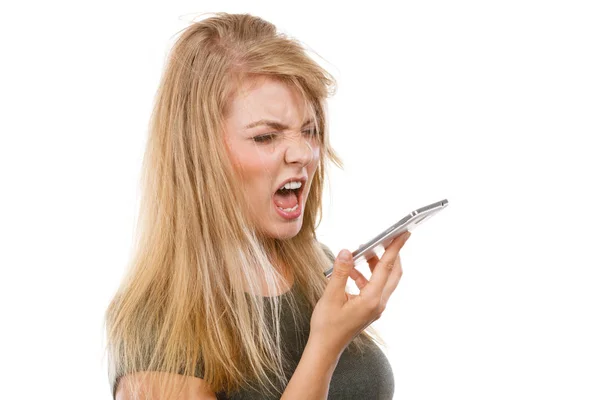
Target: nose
(299,151)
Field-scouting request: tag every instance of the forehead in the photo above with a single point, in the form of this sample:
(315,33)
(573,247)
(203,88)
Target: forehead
(266,98)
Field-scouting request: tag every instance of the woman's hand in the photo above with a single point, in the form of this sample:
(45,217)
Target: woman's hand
(338,316)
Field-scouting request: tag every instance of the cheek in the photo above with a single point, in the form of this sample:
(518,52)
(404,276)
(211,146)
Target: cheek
(247,161)
(316,158)
(316,152)
(257,174)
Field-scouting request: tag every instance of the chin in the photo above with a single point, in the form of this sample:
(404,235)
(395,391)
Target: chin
(285,232)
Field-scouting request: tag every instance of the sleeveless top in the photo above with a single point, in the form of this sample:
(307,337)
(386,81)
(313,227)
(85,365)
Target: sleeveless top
(366,375)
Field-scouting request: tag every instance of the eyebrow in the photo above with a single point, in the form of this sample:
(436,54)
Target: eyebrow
(274,124)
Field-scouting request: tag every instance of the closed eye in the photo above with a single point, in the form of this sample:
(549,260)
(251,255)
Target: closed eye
(311,131)
(263,138)
(267,138)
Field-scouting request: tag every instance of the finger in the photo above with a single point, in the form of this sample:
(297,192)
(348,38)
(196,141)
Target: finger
(339,277)
(371,261)
(393,280)
(385,266)
(359,278)
(350,296)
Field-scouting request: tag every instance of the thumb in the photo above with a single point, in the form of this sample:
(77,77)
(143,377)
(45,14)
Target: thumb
(342,266)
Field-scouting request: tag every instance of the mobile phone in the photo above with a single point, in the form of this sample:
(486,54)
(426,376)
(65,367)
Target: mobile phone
(408,223)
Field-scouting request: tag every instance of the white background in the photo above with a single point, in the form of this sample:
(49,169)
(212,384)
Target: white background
(491,105)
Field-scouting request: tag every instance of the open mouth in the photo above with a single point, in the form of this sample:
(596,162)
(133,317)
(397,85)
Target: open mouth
(288,200)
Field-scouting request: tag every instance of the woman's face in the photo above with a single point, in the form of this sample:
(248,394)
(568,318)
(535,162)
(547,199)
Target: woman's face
(269,143)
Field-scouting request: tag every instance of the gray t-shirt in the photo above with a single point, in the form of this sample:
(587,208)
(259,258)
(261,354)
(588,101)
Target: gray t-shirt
(357,376)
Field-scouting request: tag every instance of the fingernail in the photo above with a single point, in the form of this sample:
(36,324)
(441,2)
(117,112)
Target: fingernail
(345,255)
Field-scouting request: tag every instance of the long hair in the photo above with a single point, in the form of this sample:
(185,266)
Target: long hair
(183,305)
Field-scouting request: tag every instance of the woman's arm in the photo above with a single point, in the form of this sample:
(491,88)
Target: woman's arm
(312,376)
(147,382)
(338,317)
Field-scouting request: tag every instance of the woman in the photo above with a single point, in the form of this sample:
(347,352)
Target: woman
(225,296)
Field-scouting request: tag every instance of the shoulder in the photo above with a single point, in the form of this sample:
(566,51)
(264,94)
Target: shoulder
(148,384)
(327,251)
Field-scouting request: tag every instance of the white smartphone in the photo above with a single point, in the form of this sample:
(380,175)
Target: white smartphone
(408,223)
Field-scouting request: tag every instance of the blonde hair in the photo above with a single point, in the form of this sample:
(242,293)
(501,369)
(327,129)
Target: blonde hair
(182,306)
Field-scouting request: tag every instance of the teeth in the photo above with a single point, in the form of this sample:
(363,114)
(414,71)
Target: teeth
(291,185)
(289,209)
